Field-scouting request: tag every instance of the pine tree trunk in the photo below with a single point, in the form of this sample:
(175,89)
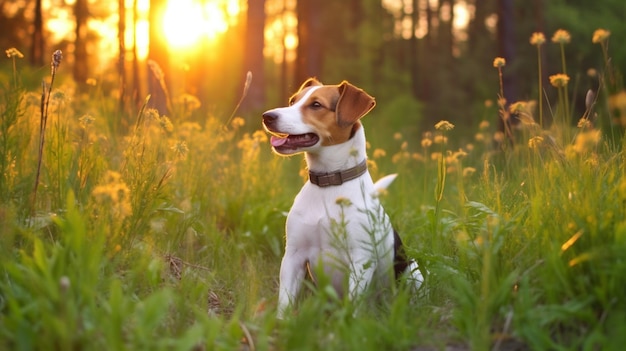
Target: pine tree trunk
(81,62)
(159,54)
(37,48)
(253,58)
(121,30)
(309,51)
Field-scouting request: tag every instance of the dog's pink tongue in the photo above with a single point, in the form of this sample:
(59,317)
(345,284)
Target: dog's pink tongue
(277,141)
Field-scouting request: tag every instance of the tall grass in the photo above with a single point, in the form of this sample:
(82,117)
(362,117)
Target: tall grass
(170,236)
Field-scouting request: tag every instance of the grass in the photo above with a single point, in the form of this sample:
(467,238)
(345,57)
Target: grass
(169,235)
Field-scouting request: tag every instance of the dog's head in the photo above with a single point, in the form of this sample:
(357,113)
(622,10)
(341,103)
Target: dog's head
(318,115)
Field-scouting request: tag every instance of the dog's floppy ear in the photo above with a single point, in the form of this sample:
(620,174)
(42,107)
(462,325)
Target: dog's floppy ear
(309,82)
(353,104)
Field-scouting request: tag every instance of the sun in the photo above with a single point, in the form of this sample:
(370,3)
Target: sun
(187,22)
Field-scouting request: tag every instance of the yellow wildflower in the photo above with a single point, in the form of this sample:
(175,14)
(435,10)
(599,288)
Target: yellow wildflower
(459,155)
(535,142)
(166,124)
(584,123)
(417,157)
(444,126)
(499,62)
(561,36)
(517,107)
(600,35)
(401,156)
(591,72)
(13,52)
(378,153)
(180,148)
(113,193)
(523,110)
(586,141)
(483,125)
(238,122)
(468,171)
(426,143)
(259,136)
(343,201)
(498,136)
(86,120)
(440,139)
(397,136)
(152,114)
(559,80)
(537,38)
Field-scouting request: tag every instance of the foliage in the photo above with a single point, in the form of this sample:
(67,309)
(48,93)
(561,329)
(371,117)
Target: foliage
(169,235)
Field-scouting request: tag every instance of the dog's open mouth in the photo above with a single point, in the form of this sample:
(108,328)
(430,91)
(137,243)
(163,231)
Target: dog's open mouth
(293,141)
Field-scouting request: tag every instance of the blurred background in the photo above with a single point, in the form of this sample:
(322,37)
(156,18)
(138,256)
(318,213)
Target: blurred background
(424,60)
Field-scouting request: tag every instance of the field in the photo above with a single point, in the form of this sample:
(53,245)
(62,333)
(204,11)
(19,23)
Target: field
(146,232)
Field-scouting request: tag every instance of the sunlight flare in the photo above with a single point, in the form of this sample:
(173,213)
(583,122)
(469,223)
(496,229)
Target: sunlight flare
(187,22)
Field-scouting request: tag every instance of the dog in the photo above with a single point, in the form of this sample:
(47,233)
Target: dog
(336,224)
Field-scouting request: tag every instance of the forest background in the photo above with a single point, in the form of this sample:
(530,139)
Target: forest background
(424,60)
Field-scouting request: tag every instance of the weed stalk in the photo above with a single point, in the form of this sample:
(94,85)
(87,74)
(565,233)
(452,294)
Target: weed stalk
(57,56)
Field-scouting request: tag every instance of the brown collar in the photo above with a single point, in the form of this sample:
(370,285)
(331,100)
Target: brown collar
(337,178)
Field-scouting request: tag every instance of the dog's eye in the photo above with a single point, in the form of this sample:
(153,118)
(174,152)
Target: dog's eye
(316,105)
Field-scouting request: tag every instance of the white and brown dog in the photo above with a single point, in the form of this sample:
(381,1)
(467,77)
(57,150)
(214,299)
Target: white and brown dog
(336,220)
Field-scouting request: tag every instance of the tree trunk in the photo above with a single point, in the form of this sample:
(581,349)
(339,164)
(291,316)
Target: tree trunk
(81,62)
(310,45)
(36,53)
(284,64)
(136,81)
(253,57)
(158,53)
(506,45)
(121,30)
(414,50)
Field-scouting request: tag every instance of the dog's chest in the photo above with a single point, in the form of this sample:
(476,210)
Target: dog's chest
(320,217)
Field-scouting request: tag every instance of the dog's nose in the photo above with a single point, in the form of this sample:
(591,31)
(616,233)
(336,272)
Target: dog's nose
(269,118)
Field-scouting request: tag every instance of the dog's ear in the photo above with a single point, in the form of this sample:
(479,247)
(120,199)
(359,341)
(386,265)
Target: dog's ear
(353,104)
(310,82)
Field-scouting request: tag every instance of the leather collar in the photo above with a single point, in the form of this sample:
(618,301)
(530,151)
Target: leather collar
(339,177)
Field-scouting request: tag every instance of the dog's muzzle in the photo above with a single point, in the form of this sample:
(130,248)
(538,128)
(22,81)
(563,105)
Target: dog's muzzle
(269,120)
(283,142)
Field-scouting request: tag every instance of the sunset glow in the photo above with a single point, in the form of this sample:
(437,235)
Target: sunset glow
(186,22)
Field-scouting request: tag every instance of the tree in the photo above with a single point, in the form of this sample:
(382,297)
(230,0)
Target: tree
(37,46)
(136,82)
(310,44)
(506,48)
(122,51)
(253,56)
(81,65)
(158,55)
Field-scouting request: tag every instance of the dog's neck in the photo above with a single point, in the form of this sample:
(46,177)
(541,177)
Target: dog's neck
(338,157)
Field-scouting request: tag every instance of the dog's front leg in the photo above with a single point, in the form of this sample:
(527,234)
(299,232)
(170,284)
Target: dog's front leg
(292,272)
